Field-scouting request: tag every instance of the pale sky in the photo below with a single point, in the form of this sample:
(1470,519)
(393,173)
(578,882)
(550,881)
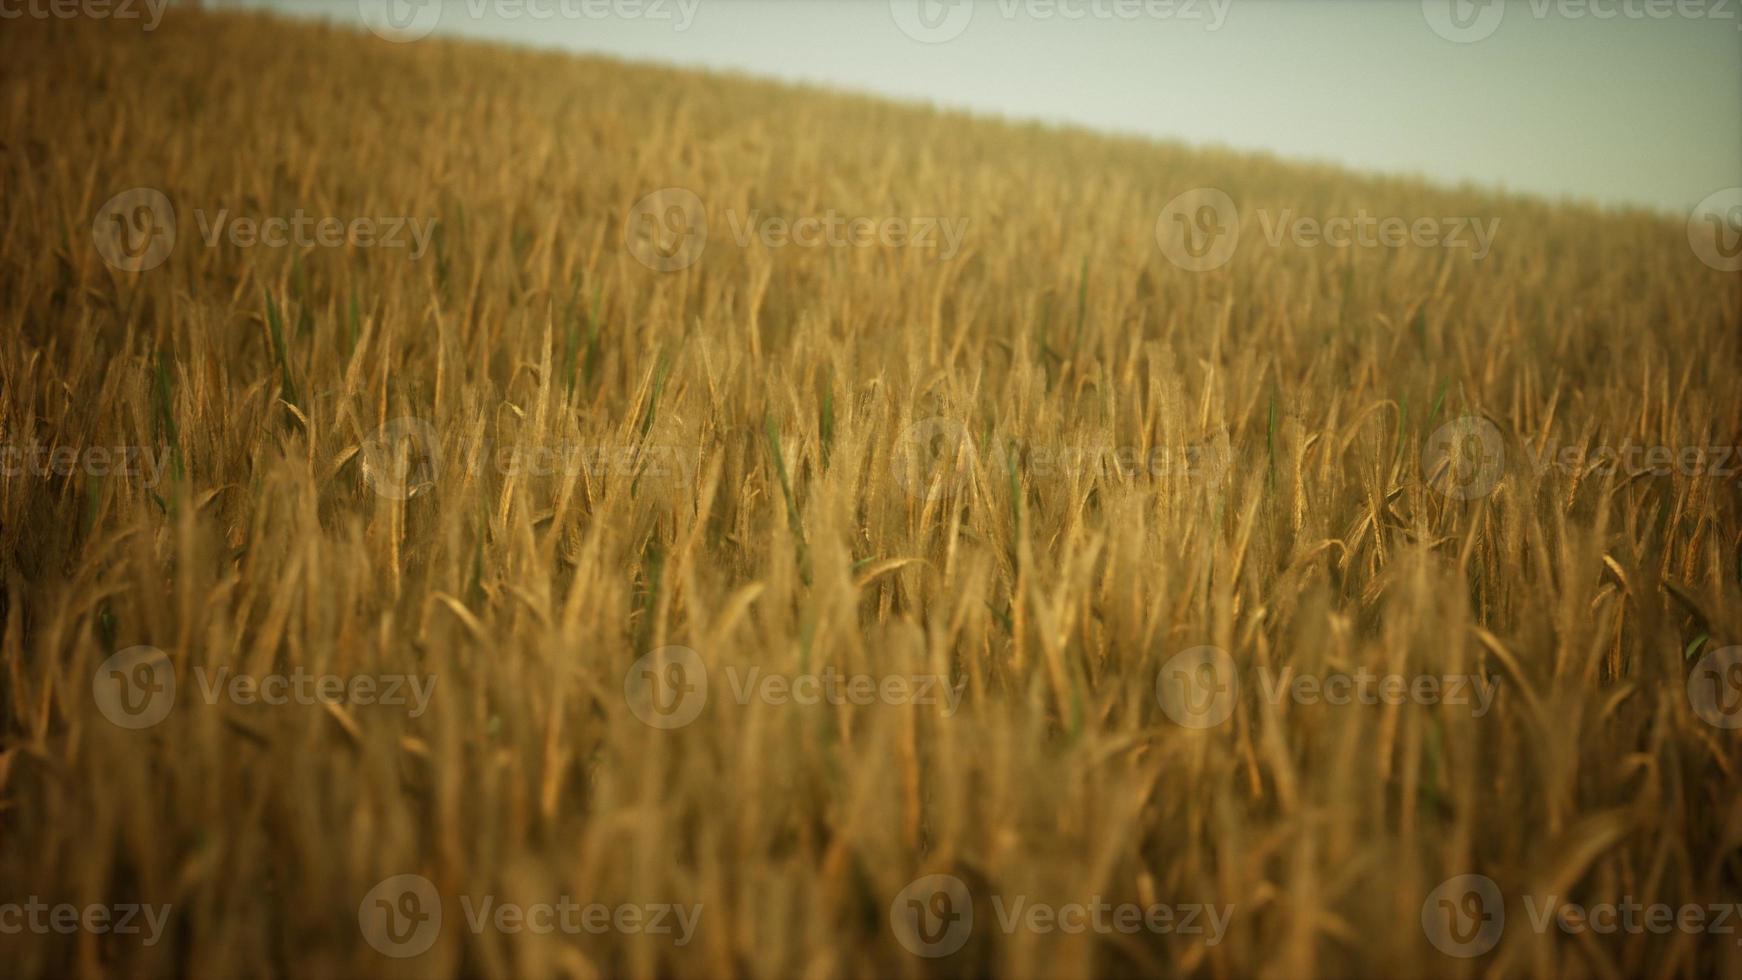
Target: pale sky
(1597,100)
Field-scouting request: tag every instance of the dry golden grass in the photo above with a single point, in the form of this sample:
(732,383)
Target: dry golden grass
(1054,594)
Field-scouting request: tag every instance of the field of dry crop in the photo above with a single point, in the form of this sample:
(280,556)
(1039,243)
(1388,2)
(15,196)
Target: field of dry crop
(470,511)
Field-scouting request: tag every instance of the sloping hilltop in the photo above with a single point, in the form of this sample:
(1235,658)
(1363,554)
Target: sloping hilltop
(474,511)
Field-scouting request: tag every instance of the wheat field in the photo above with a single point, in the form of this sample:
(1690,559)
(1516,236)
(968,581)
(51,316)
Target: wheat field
(744,582)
